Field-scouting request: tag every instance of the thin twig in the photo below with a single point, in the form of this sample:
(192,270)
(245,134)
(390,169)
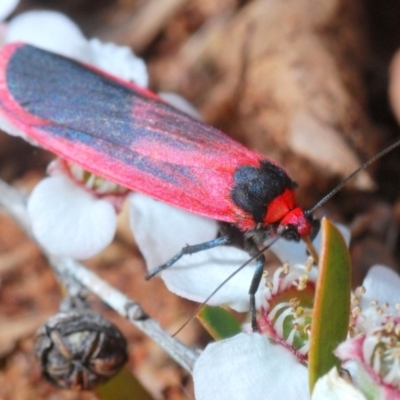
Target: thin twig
(14,203)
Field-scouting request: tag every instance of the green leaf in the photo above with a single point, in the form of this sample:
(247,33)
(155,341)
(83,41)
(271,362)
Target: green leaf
(219,323)
(331,313)
(123,386)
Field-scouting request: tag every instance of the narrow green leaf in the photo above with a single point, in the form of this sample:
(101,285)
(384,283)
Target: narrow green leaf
(331,313)
(123,386)
(219,323)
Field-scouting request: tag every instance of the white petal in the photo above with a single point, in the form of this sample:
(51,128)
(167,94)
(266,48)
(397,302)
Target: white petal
(295,252)
(68,221)
(49,30)
(382,284)
(180,103)
(332,387)
(7,7)
(248,366)
(161,231)
(119,61)
(198,275)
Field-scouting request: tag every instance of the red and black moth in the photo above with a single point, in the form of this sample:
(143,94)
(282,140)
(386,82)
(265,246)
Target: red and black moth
(128,135)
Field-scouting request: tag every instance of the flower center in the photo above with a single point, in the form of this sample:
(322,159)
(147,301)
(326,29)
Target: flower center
(98,185)
(286,316)
(381,349)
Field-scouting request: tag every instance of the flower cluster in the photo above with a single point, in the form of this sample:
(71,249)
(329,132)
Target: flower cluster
(73,213)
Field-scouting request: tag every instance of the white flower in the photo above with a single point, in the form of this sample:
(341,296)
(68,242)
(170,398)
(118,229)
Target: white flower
(265,368)
(161,231)
(247,366)
(372,355)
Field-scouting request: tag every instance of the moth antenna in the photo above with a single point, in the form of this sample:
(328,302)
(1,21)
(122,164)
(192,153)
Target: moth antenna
(345,180)
(224,282)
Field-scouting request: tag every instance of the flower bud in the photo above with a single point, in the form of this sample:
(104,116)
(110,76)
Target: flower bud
(79,350)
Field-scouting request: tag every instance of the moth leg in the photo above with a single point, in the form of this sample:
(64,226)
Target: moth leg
(255,283)
(251,243)
(191,250)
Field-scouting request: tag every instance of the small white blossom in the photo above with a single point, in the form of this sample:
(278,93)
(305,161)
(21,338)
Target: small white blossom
(247,366)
